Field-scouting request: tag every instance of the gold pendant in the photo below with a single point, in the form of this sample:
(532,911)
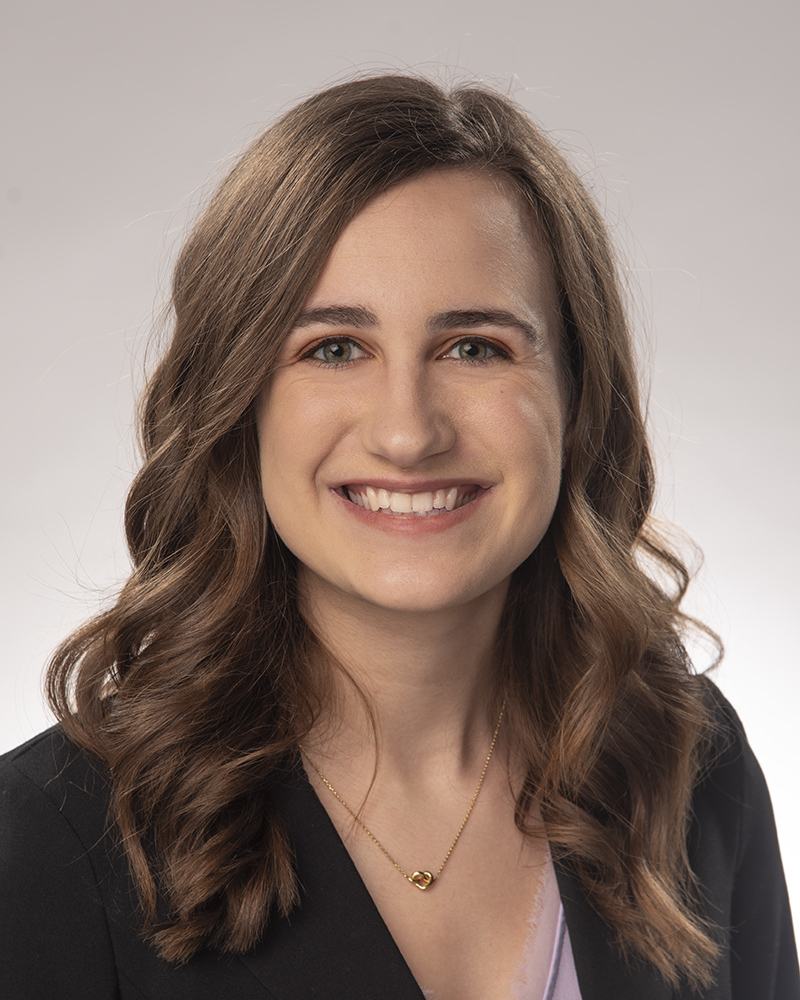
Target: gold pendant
(421,879)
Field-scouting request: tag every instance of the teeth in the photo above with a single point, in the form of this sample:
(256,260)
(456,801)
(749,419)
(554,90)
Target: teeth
(355,497)
(421,501)
(433,502)
(401,503)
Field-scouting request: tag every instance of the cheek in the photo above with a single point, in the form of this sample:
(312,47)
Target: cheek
(532,422)
(279,454)
(544,431)
(287,430)
(283,476)
(298,430)
(303,415)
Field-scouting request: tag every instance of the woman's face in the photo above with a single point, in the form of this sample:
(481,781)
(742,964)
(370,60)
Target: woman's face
(412,439)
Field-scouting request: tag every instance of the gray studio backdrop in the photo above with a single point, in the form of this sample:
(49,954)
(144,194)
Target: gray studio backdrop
(681,116)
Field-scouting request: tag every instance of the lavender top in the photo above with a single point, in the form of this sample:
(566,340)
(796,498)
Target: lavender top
(546,970)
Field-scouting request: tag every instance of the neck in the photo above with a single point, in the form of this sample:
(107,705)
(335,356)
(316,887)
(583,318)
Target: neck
(428,679)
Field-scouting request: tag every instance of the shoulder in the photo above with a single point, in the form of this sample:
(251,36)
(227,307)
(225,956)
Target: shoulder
(53,925)
(49,757)
(731,804)
(49,774)
(735,857)
(731,786)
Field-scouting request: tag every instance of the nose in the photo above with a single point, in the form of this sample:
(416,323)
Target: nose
(407,421)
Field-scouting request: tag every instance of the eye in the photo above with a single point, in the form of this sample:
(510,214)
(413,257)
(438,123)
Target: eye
(335,351)
(475,349)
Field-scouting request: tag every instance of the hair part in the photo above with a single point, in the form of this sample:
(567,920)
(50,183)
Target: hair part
(196,686)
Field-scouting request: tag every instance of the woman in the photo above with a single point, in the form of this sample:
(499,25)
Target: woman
(394,701)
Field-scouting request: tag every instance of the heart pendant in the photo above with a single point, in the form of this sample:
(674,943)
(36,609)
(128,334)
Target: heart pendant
(421,879)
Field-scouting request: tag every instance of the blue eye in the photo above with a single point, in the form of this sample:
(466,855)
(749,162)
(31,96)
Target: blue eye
(335,351)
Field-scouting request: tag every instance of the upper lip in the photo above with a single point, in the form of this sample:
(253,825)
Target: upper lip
(412,485)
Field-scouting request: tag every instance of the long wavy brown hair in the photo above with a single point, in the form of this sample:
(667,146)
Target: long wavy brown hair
(198,683)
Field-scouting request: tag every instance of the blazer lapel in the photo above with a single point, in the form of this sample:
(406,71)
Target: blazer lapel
(603,973)
(335,944)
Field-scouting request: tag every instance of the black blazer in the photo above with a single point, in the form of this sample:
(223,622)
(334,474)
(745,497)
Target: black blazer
(68,911)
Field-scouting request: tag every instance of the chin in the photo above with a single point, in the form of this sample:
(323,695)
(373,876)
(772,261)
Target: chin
(413,593)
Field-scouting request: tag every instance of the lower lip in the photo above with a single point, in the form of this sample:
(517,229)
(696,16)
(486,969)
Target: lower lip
(411,524)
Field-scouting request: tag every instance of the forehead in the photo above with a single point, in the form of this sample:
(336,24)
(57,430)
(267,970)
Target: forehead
(446,201)
(452,231)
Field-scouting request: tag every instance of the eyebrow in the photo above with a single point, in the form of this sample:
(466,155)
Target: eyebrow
(359,318)
(353,316)
(471,319)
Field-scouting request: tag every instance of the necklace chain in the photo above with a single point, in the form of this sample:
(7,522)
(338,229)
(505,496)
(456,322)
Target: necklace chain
(421,879)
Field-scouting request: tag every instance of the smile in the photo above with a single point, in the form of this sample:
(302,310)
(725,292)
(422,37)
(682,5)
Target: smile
(428,503)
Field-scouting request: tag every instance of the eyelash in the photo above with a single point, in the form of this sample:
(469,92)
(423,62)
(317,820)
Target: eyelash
(497,351)
(309,354)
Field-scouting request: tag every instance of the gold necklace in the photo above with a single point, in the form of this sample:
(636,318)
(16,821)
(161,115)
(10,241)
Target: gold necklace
(421,879)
